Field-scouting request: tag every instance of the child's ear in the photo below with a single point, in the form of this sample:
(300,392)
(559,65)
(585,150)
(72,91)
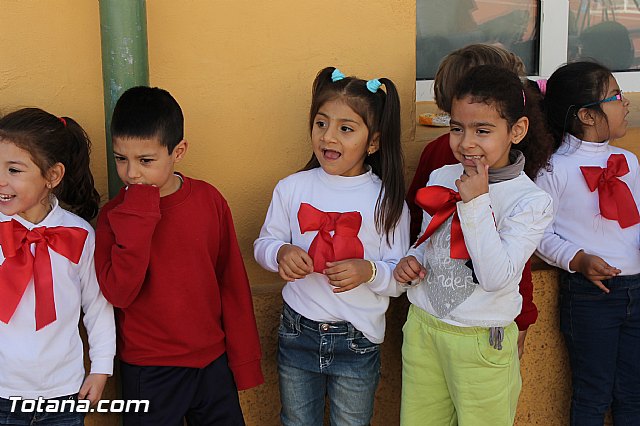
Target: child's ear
(519,130)
(55,175)
(374,145)
(586,116)
(179,151)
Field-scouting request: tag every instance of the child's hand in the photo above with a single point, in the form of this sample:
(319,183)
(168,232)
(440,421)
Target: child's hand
(522,335)
(348,274)
(594,268)
(293,263)
(409,269)
(475,183)
(92,388)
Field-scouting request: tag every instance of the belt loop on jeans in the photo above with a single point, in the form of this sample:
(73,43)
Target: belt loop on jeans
(294,316)
(351,331)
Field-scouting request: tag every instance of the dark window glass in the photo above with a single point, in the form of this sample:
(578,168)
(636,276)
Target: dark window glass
(446,25)
(605,30)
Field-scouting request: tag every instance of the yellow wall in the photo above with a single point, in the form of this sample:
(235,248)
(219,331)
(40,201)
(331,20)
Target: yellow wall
(242,71)
(50,58)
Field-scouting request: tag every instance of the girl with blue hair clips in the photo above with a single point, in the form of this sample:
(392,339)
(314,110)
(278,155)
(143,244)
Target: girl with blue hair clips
(335,231)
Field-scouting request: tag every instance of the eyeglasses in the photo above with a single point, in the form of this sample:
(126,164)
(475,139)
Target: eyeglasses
(617,97)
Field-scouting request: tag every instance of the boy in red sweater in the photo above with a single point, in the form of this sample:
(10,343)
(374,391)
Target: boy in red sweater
(438,153)
(167,258)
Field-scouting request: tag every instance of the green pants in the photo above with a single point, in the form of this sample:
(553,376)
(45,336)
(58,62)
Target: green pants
(452,376)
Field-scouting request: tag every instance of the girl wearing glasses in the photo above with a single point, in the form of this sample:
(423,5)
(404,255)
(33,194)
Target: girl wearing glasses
(594,238)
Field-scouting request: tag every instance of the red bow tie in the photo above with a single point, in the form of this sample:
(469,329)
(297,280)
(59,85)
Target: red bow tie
(344,244)
(20,265)
(440,203)
(615,198)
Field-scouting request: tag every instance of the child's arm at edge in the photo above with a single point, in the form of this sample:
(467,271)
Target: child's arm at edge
(238,318)
(99,322)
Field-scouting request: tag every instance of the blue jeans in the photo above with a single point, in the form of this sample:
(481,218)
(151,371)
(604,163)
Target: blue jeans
(28,415)
(317,359)
(602,333)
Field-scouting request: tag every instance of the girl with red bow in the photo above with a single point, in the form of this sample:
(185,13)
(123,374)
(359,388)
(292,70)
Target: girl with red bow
(483,220)
(334,232)
(47,273)
(595,239)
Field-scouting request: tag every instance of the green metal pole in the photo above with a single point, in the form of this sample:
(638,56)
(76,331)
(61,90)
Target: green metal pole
(125,61)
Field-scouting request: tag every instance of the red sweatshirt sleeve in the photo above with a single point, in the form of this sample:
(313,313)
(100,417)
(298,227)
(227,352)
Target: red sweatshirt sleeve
(123,243)
(436,154)
(238,319)
(529,313)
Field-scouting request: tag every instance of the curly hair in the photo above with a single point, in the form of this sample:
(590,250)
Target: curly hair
(513,99)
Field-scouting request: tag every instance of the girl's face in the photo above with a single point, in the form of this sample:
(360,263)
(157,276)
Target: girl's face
(614,125)
(340,139)
(23,189)
(479,134)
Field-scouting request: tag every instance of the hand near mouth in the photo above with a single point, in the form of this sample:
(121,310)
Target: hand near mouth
(473,183)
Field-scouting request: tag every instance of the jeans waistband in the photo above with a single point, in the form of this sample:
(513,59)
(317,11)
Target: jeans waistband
(620,281)
(322,327)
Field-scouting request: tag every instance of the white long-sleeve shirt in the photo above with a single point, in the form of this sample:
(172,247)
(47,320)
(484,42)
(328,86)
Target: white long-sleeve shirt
(312,296)
(49,363)
(577,223)
(501,231)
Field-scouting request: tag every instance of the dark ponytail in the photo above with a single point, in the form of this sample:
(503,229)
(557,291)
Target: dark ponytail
(390,161)
(50,140)
(77,188)
(380,112)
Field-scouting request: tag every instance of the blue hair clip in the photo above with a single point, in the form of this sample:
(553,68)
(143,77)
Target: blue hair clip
(336,75)
(373,85)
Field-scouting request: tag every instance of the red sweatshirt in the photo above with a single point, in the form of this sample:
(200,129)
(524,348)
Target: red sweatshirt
(436,154)
(172,268)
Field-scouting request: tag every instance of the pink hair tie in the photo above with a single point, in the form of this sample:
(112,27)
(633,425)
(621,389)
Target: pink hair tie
(542,85)
(63,121)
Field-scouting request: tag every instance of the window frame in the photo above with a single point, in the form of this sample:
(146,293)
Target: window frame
(554,27)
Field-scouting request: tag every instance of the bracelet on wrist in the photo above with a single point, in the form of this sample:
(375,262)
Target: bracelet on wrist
(374,271)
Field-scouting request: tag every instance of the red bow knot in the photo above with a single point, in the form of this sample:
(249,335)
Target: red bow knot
(20,265)
(343,244)
(440,203)
(614,197)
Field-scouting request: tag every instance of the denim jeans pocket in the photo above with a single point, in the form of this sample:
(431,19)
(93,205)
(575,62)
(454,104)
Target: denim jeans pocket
(359,344)
(579,288)
(289,325)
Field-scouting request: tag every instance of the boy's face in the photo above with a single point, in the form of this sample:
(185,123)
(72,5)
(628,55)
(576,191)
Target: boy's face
(147,162)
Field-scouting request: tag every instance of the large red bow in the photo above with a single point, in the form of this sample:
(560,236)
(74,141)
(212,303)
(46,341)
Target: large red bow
(440,203)
(20,265)
(344,244)
(615,198)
